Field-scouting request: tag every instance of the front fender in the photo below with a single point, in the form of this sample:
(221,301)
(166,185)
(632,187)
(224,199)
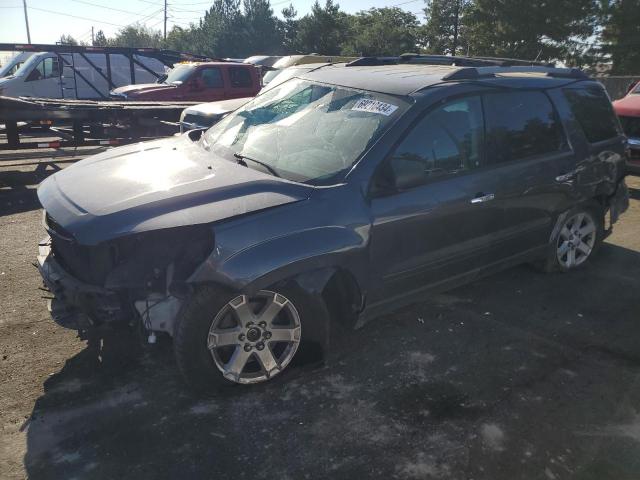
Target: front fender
(283,257)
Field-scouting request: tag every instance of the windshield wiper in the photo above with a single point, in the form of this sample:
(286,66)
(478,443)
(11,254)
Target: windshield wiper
(243,158)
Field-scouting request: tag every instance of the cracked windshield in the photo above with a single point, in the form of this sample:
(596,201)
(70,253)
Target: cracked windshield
(305,131)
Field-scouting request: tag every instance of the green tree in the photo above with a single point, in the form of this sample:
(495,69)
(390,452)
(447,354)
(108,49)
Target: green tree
(289,29)
(137,36)
(382,31)
(67,40)
(529,29)
(322,31)
(183,40)
(221,30)
(445,27)
(621,36)
(100,40)
(261,28)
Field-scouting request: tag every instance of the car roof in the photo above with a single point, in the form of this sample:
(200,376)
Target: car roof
(405,79)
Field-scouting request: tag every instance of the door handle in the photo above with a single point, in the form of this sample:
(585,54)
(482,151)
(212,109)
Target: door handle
(482,197)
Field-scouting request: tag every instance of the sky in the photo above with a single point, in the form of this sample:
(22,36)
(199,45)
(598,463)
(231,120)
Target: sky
(49,19)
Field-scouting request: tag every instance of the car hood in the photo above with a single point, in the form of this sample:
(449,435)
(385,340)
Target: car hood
(628,106)
(144,87)
(218,108)
(154,185)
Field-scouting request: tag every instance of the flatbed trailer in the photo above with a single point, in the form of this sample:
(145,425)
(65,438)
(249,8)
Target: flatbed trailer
(87,122)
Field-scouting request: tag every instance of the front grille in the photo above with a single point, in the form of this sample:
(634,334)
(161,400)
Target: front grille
(88,263)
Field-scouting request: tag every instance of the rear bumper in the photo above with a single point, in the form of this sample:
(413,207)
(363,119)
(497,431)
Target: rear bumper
(76,305)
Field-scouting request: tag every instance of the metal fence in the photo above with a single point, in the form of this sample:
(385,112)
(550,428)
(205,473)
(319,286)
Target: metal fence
(619,85)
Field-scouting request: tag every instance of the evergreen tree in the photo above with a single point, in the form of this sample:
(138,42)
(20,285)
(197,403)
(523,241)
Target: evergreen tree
(261,28)
(289,29)
(322,31)
(382,31)
(100,40)
(529,29)
(445,27)
(67,40)
(220,33)
(621,36)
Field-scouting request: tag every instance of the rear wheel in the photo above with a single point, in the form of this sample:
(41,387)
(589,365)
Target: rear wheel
(578,238)
(225,338)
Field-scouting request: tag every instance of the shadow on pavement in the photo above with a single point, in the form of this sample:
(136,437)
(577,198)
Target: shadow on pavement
(18,187)
(519,375)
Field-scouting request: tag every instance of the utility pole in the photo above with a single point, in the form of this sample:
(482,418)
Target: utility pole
(456,22)
(165,20)
(26,20)
(93,39)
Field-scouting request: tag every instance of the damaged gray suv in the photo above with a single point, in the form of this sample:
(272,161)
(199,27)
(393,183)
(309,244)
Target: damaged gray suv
(333,198)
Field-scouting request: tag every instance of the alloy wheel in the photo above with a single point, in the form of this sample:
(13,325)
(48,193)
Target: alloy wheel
(251,339)
(576,240)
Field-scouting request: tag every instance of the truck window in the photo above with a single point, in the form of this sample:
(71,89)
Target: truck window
(212,77)
(47,68)
(240,77)
(594,113)
(521,125)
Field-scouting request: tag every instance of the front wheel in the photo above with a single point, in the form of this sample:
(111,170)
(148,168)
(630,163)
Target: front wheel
(225,338)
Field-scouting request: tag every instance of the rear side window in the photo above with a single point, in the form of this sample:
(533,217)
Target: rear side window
(240,77)
(212,77)
(520,125)
(594,113)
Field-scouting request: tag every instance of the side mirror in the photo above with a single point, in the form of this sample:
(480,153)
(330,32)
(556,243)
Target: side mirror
(407,173)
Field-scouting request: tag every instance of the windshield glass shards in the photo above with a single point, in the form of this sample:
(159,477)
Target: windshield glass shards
(308,132)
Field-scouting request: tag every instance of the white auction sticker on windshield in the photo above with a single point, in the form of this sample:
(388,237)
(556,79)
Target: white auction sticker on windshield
(374,106)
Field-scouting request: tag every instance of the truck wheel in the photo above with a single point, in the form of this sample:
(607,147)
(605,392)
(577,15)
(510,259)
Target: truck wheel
(227,338)
(576,241)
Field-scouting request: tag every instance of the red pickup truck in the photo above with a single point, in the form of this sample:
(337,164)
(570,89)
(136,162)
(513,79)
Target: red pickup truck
(197,82)
(628,111)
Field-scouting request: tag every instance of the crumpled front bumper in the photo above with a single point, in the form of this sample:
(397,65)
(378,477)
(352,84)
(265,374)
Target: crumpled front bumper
(76,304)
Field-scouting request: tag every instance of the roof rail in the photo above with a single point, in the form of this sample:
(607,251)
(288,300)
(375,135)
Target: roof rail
(473,73)
(463,61)
(373,61)
(420,59)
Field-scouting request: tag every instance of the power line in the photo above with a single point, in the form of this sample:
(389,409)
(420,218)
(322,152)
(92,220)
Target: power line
(109,8)
(76,16)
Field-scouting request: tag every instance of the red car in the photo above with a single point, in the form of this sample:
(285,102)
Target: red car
(628,110)
(197,82)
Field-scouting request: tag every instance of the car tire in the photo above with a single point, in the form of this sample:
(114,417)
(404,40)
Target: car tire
(199,340)
(572,245)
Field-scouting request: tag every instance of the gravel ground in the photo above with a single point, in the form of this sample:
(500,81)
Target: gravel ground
(519,375)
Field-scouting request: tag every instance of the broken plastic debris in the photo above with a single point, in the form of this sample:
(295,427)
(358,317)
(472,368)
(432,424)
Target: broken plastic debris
(420,320)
